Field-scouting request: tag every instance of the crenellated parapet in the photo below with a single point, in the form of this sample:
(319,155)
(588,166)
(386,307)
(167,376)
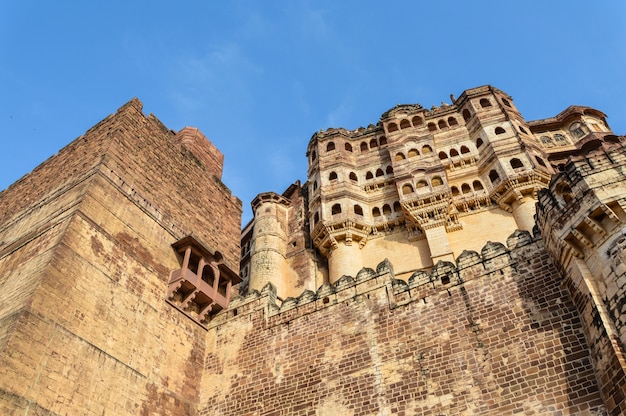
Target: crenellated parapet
(494,261)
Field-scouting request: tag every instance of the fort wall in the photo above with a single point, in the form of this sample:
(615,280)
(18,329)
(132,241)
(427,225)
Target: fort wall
(85,260)
(118,255)
(494,334)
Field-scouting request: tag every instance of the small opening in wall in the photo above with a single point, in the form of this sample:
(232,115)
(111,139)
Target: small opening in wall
(445,279)
(235,312)
(325,300)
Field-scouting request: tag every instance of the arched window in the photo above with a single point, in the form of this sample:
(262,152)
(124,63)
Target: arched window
(316,218)
(442,124)
(417,121)
(379,172)
(369,175)
(348,147)
(484,103)
(314,185)
(386,209)
(358,210)
(479,142)
(432,127)
(522,129)
(413,153)
(443,155)
(382,140)
(493,176)
(353,177)
(466,115)
(389,170)
(427,149)
(373,143)
(407,189)
(397,207)
(452,121)
(559,138)
(376,212)
(547,140)
(499,130)
(516,163)
(577,130)
(336,209)
(422,184)
(464,149)
(455,191)
(540,161)
(363,147)
(392,127)
(478,186)
(313,155)
(506,102)
(400,156)
(405,124)
(465,188)
(332,176)
(330,146)
(436,181)
(453,152)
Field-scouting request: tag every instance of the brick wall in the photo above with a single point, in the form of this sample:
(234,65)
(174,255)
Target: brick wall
(495,335)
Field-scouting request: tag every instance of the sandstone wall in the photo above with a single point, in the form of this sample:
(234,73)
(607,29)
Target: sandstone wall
(495,335)
(85,260)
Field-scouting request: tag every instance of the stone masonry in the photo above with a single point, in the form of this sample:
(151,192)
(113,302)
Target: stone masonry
(457,260)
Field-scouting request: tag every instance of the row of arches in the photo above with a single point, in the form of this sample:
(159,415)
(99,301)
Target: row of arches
(357,209)
(417,121)
(332,176)
(515,163)
(549,141)
(466,188)
(413,152)
(453,152)
(379,172)
(364,146)
(408,188)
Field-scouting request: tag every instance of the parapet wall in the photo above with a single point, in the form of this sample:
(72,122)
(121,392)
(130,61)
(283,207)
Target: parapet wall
(495,333)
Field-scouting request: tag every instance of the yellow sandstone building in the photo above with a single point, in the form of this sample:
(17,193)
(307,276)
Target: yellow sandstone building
(457,260)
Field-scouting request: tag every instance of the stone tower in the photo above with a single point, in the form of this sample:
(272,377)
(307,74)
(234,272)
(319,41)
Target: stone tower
(582,217)
(90,311)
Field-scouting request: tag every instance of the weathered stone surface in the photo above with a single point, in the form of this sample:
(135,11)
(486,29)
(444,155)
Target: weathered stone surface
(532,327)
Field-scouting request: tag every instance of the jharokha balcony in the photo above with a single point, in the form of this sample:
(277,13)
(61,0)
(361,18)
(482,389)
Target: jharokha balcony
(203,285)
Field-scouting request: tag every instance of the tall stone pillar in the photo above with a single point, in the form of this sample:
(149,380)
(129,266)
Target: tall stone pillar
(344,259)
(523,209)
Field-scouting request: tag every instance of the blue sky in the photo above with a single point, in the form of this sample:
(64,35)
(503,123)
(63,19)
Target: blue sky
(258,78)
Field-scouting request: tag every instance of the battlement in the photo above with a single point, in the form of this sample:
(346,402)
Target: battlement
(494,260)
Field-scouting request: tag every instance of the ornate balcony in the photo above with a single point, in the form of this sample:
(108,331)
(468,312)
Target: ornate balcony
(203,284)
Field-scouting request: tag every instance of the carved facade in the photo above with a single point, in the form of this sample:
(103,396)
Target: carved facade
(420,186)
(457,261)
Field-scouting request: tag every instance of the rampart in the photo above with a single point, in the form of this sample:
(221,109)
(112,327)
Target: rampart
(495,333)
